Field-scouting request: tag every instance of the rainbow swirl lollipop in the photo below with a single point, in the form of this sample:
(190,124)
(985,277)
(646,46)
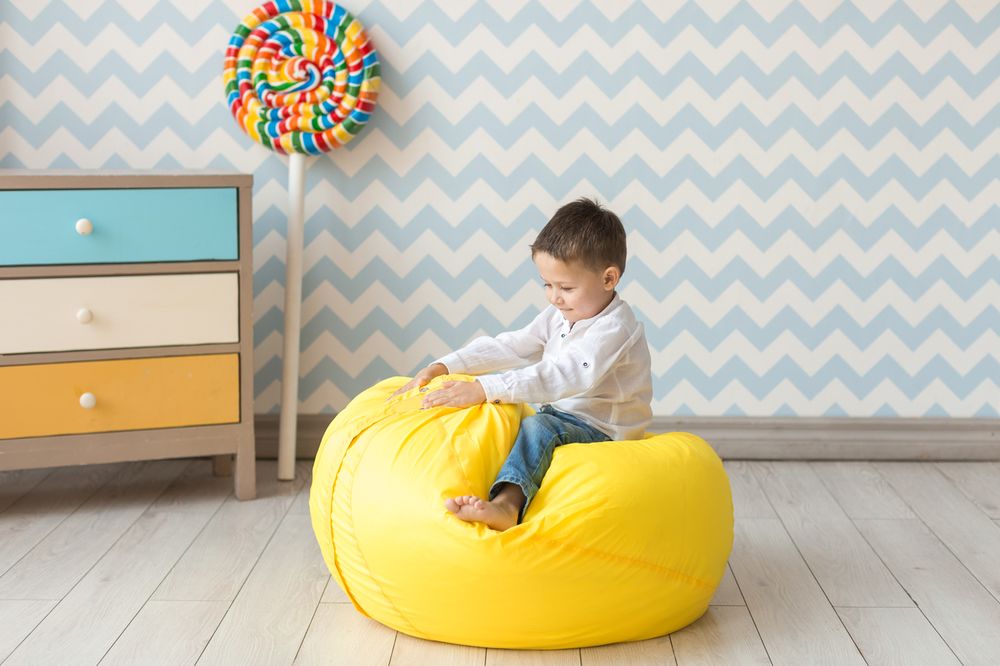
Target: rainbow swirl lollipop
(301,76)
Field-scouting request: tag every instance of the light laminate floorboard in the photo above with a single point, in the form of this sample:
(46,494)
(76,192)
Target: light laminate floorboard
(653,652)
(495,657)
(409,651)
(219,561)
(979,481)
(167,633)
(896,637)
(147,531)
(91,617)
(860,490)
(954,518)
(34,514)
(18,618)
(749,500)
(273,610)
(846,567)
(728,592)
(63,557)
(962,611)
(785,600)
(724,636)
(340,635)
(334,595)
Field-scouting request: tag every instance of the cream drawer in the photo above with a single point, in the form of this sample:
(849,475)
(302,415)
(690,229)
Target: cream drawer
(130,394)
(62,314)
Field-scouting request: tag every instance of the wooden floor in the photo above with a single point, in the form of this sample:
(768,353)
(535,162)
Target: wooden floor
(157,563)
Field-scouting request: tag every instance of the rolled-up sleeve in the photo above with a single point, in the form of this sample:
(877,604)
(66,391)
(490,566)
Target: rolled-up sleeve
(579,366)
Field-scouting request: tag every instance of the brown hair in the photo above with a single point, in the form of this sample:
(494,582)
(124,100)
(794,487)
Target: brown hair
(584,231)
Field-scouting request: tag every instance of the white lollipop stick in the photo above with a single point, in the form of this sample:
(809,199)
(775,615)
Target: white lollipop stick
(293,316)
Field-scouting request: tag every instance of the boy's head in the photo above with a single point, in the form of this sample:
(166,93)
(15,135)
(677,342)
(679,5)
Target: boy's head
(580,255)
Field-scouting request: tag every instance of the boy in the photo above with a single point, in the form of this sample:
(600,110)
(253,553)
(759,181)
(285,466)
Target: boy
(584,357)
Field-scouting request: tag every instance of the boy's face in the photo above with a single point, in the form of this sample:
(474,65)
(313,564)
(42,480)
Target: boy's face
(578,291)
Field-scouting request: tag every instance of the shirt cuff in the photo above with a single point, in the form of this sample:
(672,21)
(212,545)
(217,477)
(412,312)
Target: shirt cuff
(494,388)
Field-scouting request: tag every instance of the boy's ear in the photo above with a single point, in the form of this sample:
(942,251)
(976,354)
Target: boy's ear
(612,274)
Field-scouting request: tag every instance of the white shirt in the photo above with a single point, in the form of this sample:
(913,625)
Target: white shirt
(597,369)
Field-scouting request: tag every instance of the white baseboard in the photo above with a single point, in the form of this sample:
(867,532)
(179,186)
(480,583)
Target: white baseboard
(767,438)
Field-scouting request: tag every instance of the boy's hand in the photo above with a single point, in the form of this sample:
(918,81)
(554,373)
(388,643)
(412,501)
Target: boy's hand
(456,394)
(423,377)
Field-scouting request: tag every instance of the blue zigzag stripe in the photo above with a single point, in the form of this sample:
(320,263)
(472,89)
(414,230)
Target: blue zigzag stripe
(736,320)
(637,222)
(559,29)
(558,134)
(584,67)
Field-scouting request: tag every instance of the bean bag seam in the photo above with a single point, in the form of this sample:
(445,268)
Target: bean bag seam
(354,530)
(333,543)
(593,552)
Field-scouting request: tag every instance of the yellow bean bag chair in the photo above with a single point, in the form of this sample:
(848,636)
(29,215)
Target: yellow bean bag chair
(624,541)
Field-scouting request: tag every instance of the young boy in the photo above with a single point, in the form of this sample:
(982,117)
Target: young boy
(584,357)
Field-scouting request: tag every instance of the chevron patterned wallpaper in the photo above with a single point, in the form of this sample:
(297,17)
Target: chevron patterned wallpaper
(811,188)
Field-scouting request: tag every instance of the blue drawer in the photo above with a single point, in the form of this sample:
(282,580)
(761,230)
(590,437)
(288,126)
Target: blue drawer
(129,225)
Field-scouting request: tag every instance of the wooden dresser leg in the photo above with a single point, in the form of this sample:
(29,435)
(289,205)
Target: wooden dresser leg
(245,479)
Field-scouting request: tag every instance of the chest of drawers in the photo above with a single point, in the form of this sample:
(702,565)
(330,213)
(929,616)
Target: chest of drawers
(125,319)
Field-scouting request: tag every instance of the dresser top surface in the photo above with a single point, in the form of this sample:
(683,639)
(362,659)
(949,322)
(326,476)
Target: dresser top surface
(29,179)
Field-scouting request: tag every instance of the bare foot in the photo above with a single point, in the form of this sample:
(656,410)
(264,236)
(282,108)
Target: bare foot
(497,514)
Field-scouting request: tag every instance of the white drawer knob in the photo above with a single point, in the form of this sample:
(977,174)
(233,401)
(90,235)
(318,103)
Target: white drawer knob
(88,400)
(84,226)
(84,316)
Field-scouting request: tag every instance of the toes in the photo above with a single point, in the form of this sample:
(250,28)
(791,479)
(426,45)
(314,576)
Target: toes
(452,505)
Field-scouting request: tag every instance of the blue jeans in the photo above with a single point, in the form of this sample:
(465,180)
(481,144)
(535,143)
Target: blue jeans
(531,454)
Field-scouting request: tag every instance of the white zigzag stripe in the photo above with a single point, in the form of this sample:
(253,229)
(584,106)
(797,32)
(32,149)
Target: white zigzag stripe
(636,144)
(658,312)
(791,195)
(135,8)
(325,398)
(862,311)
(455,9)
(839,246)
(638,42)
(664,9)
(684,345)
(423,295)
(113,92)
(834,393)
(328,396)
(428,244)
(111,39)
(635,195)
(375,347)
(585,92)
(887,345)
(245,156)
(660,261)
(533,143)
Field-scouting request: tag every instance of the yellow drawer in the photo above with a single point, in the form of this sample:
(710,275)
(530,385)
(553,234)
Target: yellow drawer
(128,394)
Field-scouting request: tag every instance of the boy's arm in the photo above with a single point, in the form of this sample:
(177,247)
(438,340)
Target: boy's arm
(512,349)
(575,370)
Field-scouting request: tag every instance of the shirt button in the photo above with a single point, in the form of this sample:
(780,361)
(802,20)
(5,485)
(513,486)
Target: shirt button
(496,402)
(563,335)
(586,365)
